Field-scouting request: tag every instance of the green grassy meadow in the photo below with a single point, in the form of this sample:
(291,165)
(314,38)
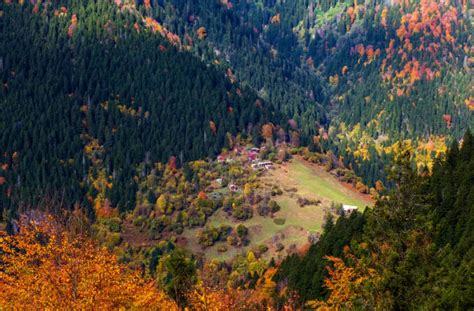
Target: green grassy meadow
(311,182)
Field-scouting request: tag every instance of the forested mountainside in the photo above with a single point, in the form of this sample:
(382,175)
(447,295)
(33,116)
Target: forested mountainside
(348,77)
(413,251)
(91,90)
(359,74)
(237,154)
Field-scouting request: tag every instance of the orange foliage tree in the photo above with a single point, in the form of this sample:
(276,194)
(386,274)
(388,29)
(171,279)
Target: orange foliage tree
(425,41)
(276,19)
(147,4)
(201,33)
(346,284)
(43,267)
(203,297)
(267,132)
(73,26)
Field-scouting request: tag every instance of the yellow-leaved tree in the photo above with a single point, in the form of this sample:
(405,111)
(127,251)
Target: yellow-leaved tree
(43,266)
(348,285)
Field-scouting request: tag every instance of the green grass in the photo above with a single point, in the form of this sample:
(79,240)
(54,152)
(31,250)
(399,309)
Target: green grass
(262,229)
(323,185)
(312,183)
(309,217)
(325,17)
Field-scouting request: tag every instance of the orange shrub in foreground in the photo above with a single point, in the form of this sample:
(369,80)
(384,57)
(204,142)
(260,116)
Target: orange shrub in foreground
(43,267)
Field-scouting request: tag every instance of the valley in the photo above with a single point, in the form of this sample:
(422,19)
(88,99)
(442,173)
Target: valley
(225,155)
(290,229)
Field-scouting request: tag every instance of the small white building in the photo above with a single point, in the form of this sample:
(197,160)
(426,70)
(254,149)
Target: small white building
(348,209)
(234,188)
(266,165)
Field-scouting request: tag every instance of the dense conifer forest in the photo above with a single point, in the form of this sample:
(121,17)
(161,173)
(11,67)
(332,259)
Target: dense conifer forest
(314,65)
(415,247)
(168,143)
(105,97)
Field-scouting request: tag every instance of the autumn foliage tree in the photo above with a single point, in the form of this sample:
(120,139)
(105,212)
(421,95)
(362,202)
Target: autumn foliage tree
(201,33)
(346,284)
(267,132)
(44,267)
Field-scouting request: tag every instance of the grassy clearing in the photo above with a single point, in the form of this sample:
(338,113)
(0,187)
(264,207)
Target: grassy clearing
(311,182)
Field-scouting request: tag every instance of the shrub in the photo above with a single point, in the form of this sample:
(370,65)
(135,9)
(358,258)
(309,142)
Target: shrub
(263,209)
(139,221)
(274,207)
(232,240)
(276,191)
(242,231)
(177,228)
(302,202)
(113,239)
(209,235)
(242,213)
(112,224)
(262,248)
(279,221)
(222,249)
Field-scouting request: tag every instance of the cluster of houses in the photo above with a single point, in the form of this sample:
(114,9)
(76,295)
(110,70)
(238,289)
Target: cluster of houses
(252,158)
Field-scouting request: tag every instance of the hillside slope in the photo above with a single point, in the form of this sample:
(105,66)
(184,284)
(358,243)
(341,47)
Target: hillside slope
(88,92)
(361,75)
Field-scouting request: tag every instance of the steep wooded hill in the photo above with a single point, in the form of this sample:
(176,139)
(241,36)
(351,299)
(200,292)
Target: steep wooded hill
(412,251)
(93,90)
(359,75)
(347,77)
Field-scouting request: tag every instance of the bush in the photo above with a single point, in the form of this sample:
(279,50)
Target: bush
(196,218)
(279,221)
(337,208)
(112,224)
(222,249)
(262,248)
(113,239)
(280,247)
(139,221)
(263,209)
(302,202)
(242,213)
(232,240)
(242,231)
(274,207)
(177,228)
(209,235)
(224,231)
(276,191)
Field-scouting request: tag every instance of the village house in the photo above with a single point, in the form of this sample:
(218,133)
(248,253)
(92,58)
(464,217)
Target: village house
(348,209)
(252,156)
(238,150)
(216,196)
(234,188)
(265,164)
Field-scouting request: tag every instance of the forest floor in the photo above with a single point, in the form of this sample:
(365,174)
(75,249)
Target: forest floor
(298,179)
